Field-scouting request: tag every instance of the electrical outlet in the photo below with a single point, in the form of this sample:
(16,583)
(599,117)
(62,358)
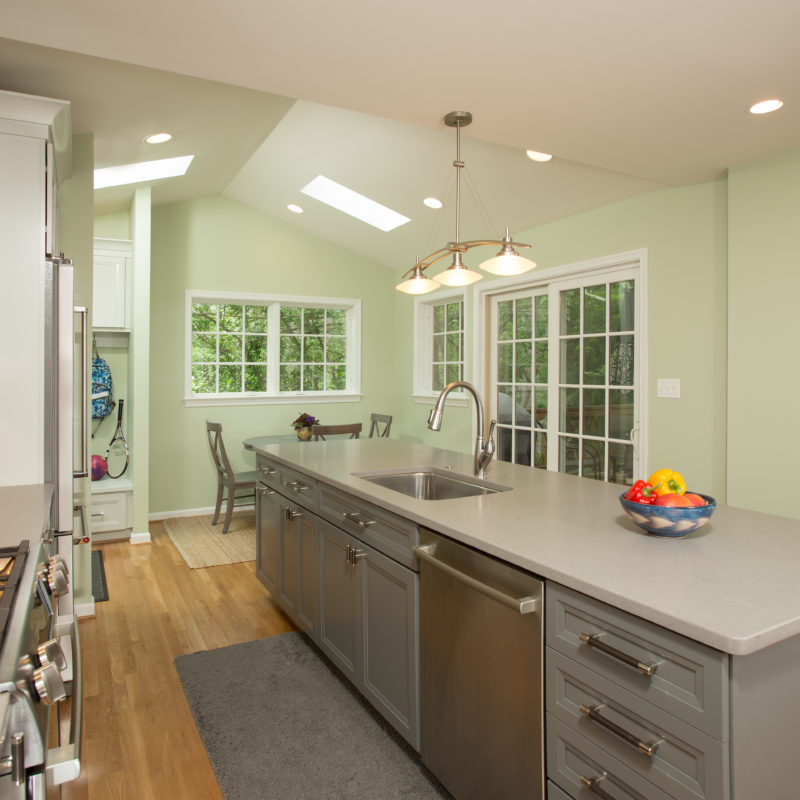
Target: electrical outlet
(669,387)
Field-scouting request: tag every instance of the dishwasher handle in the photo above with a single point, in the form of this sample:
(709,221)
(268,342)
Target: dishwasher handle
(522,605)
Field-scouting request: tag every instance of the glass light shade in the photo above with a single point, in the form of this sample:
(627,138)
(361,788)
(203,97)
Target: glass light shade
(508,264)
(419,285)
(458,276)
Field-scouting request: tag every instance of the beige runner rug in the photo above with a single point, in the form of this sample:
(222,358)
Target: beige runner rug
(205,545)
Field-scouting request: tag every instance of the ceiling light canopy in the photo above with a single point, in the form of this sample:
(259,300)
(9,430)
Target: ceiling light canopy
(142,171)
(158,138)
(766,106)
(356,205)
(507,262)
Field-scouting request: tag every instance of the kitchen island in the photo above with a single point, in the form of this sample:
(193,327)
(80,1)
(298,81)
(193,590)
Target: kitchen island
(703,704)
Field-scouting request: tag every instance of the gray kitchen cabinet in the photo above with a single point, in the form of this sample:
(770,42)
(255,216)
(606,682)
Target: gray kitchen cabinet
(369,625)
(299,573)
(268,540)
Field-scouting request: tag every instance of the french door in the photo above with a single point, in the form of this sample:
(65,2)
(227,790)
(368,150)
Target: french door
(564,375)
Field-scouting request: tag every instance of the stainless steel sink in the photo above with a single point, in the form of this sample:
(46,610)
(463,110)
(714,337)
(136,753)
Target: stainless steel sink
(432,484)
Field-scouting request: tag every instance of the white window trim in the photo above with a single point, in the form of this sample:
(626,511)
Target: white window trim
(351,395)
(605,264)
(423,333)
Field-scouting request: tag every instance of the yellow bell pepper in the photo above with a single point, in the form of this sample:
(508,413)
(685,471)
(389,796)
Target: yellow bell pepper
(665,481)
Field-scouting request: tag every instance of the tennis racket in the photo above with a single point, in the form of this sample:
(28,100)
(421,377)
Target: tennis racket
(117,455)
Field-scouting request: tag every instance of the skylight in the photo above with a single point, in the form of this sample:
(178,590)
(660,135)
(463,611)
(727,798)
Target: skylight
(356,205)
(143,171)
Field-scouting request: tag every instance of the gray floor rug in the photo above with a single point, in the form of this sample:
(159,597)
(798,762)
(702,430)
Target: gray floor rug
(99,586)
(279,722)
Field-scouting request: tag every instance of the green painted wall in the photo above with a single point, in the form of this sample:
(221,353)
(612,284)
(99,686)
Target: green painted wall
(764,286)
(113,226)
(684,231)
(215,243)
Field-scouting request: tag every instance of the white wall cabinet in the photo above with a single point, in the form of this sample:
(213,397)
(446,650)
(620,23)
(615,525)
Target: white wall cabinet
(111,297)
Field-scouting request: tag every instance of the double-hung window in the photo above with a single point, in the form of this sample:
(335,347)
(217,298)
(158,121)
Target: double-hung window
(263,348)
(439,325)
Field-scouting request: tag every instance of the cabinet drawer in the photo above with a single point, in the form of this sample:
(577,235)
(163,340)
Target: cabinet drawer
(110,512)
(687,763)
(554,793)
(576,763)
(297,486)
(267,472)
(392,535)
(689,680)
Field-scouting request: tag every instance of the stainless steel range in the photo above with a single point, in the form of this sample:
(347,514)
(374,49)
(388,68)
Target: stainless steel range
(39,671)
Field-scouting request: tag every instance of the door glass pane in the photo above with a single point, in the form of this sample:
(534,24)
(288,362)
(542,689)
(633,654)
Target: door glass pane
(594,360)
(594,309)
(505,363)
(568,448)
(570,410)
(620,360)
(541,316)
(620,463)
(541,362)
(505,320)
(594,412)
(594,457)
(524,357)
(524,318)
(541,398)
(540,450)
(522,408)
(503,444)
(571,312)
(438,318)
(620,413)
(522,443)
(505,406)
(570,360)
(623,314)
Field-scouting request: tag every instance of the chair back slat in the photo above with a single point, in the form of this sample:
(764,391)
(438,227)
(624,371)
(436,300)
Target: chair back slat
(321,431)
(378,420)
(218,452)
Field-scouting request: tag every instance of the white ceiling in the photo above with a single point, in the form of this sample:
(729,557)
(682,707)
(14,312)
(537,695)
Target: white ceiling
(628,96)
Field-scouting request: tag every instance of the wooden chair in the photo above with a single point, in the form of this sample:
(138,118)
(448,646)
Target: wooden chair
(321,431)
(227,479)
(376,421)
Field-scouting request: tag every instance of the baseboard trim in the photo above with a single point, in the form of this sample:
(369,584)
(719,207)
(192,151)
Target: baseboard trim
(141,538)
(160,516)
(85,609)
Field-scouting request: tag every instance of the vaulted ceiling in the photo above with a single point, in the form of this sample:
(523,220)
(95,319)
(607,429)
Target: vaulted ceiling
(628,97)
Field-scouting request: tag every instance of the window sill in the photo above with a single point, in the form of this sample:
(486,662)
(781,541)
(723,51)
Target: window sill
(454,398)
(261,400)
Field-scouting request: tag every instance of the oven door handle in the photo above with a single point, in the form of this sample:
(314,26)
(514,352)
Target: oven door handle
(63,763)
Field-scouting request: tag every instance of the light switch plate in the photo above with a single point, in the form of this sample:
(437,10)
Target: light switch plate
(669,387)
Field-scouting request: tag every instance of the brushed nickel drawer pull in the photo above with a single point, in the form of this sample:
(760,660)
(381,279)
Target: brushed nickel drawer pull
(593,640)
(296,486)
(352,516)
(593,712)
(591,785)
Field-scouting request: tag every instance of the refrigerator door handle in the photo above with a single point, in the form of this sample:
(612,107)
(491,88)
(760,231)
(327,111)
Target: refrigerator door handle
(83,472)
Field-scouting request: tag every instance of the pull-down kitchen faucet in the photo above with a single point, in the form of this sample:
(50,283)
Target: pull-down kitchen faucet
(484,447)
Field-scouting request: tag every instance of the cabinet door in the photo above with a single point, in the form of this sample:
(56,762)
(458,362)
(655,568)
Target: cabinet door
(299,575)
(290,553)
(268,541)
(390,613)
(110,291)
(338,614)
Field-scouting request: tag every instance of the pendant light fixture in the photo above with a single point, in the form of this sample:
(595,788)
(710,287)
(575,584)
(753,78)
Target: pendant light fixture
(507,262)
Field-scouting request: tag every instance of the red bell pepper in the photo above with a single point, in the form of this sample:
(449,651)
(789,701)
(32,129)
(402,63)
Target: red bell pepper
(642,492)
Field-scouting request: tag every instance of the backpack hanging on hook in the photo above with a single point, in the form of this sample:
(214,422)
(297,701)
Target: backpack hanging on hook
(102,396)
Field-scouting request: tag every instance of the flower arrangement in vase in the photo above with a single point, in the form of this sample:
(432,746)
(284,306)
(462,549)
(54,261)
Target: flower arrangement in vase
(302,425)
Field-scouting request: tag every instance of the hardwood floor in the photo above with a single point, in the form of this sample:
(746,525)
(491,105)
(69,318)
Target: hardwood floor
(140,740)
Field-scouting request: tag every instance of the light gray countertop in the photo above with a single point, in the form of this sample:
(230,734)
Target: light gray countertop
(732,585)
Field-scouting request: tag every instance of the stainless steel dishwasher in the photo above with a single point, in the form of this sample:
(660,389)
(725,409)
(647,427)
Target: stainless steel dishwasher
(481,694)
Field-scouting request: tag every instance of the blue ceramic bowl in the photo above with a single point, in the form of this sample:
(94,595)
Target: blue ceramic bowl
(669,520)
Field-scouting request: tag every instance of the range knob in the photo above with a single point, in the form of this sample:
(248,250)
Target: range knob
(51,653)
(57,562)
(48,684)
(57,581)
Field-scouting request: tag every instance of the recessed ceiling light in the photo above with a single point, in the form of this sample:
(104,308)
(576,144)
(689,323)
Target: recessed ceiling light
(158,138)
(356,205)
(432,202)
(535,155)
(295,208)
(143,171)
(765,106)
